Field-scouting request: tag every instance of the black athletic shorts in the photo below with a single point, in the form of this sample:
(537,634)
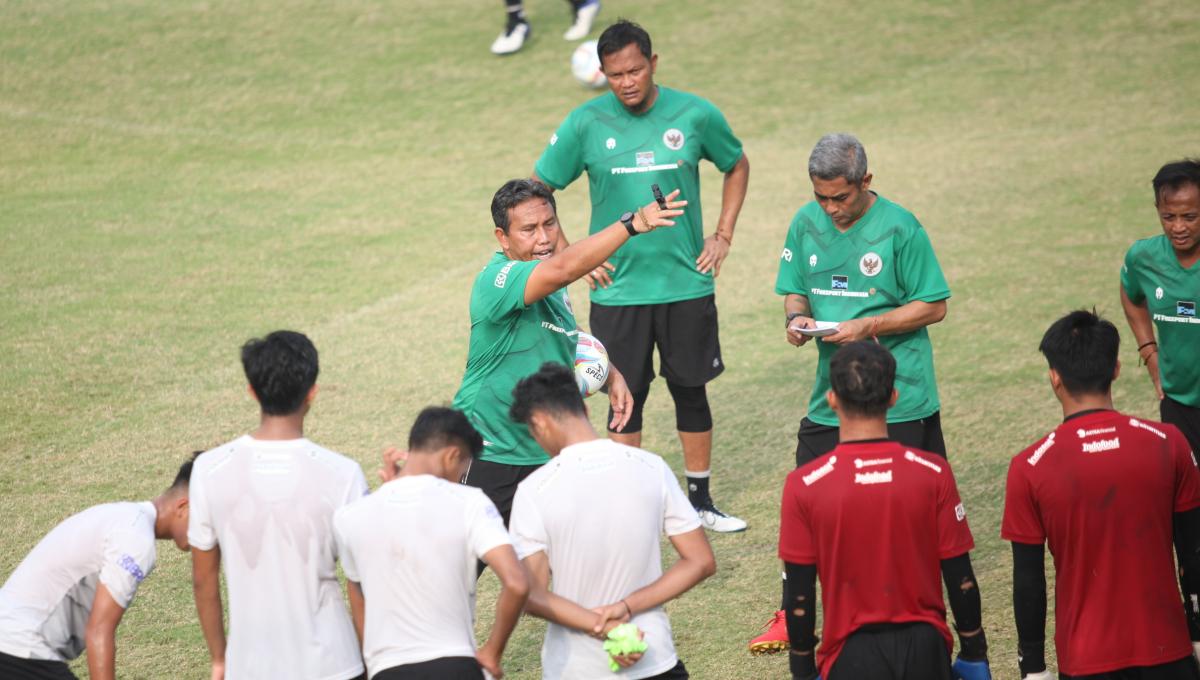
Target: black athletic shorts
(445,668)
(815,440)
(1183,669)
(498,482)
(1186,418)
(893,651)
(16,668)
(676,672)
(689,349)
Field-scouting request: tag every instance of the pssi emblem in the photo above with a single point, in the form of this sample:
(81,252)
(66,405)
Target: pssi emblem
(870,264)
(673,139)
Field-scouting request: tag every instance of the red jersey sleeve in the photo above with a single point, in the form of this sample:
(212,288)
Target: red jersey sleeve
(1021,523)
(1187,477)
(954,535)
(796,543)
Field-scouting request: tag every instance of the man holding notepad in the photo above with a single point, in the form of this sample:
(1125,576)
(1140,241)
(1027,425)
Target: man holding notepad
(857,266)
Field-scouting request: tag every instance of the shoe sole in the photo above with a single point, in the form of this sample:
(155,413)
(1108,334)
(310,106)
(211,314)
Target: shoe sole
(725,531)
(765,648)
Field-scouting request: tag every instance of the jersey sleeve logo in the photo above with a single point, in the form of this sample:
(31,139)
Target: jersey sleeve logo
(912,457)
(554,139)
(1134,422)
(820,472)
(673,139)
(1041,450)
(130,565)
(870,264)
(786,255)
(502,277)
(960,513)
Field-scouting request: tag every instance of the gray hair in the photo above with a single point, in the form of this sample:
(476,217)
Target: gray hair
(838,154)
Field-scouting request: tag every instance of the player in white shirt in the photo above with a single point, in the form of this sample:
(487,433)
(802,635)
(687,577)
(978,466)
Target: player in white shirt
(72,589)
(262,506)
(409,551)
(591,520)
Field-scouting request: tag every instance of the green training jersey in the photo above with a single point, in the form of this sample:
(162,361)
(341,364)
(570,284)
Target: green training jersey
(623,155)
(882,262)
(1153,276)
(509,341)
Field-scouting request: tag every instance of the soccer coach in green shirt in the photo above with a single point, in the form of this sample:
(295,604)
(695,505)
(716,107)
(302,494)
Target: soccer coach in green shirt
(521,317)
(660,289)
(1160,288)
(853,257)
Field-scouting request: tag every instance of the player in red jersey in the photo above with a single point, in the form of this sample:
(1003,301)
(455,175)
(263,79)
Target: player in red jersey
(1110,493)
(876,520)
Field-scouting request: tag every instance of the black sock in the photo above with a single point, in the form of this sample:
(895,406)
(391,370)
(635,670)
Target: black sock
(698,490)
(516,14)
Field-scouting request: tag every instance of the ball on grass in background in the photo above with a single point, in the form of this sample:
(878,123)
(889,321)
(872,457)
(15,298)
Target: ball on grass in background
(591,364)
(585,65)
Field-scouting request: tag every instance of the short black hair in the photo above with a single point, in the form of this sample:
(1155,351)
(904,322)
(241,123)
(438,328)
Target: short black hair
(1082,348)
(862,375)
(621,34)
(1175,175)
(552,389)
(438,426)
(515,192)
(281,368)
(184,477)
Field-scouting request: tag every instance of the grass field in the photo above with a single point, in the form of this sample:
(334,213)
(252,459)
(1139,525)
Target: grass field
(176,177)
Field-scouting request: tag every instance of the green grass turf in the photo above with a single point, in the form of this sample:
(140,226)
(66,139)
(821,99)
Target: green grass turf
(176,177)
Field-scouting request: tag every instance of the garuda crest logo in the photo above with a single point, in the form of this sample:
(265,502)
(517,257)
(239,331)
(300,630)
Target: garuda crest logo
(870,264)
(673,139)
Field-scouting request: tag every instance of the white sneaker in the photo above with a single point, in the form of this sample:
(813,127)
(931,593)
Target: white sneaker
(715,520)
(583,21)
(511,41)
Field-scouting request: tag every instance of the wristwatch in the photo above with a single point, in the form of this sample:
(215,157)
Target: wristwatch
(627,220)
(790,316)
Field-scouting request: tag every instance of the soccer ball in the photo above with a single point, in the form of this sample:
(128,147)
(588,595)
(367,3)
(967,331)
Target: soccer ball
(591,365)
(585,65)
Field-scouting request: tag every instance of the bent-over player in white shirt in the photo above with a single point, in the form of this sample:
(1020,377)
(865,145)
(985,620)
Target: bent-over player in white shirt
(72,589)
(262,505)
(591,520)
(409,551)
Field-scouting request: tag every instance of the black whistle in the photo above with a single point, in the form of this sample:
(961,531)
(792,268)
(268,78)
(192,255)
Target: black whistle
(658,197)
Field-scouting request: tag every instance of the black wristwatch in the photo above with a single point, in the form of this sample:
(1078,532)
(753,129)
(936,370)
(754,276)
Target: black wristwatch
(790,316)
(627,220)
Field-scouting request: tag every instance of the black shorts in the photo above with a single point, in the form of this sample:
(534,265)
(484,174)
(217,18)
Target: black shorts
(498,482)
(445,668)
(676,672)
(16,668)
(1186,418)
(894,651)
(815,440)
(689,349)
(1183,669)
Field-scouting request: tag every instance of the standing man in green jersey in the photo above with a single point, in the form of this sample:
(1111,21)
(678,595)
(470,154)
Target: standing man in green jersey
(857,259)
(521,318)
(1160,288)
(660,290)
